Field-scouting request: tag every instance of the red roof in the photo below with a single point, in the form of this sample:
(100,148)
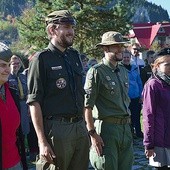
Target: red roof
(146,33)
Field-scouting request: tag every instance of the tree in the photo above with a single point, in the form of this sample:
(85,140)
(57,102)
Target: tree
(12,7)
(93,19)
(8,31)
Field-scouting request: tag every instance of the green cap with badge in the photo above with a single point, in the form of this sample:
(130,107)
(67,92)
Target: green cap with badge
(5,52)
(111,38)
(60,17)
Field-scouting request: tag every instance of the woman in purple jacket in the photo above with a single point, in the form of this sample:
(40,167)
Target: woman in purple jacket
(156,112)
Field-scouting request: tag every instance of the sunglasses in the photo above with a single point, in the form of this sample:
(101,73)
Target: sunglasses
(137,49)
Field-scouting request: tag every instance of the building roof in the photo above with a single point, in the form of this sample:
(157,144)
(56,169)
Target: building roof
(146,32)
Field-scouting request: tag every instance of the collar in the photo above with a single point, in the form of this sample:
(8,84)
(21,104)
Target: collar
(54,49)
(110,65)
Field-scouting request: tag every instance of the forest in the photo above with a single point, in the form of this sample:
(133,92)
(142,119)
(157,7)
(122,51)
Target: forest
(22,21)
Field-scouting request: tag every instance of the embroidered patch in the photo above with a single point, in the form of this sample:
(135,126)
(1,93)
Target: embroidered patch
(88,91)
(113,83)
(108,78)
(112,92)
(56,68)
(126,84)
(89,76)
(61,83)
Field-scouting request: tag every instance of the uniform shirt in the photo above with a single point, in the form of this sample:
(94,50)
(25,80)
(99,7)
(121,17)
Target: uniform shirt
(107,90)
(55,81)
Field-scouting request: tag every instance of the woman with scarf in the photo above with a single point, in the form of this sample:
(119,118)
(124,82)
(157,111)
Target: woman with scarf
(156,112)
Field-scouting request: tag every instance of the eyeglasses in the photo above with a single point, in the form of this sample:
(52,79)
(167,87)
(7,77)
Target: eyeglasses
(137,49)
(17,63)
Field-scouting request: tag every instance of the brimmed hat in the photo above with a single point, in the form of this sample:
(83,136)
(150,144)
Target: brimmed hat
(111,38)
(60,17)
(5,52)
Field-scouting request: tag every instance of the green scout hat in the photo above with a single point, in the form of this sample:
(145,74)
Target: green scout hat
(111,38)
(5,52)
(60,17)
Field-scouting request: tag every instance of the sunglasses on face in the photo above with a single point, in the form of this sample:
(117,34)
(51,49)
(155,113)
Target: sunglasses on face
(137,49)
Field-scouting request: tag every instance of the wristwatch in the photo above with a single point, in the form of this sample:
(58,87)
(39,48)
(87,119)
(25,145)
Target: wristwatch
(91,132)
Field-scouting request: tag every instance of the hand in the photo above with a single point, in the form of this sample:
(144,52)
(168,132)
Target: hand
(46,152)
(97,143)
(149,153)
(141,100)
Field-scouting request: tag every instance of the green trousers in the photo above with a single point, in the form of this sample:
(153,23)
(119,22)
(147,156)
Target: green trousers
(117,150)
(70,143)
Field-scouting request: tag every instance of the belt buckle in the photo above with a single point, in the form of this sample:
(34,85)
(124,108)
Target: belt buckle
(70,120)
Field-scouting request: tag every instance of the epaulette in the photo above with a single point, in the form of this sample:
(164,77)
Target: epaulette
(42,52)
(121,65)
(97,65)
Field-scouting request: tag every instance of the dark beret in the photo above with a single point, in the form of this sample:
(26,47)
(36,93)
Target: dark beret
(60,17)
(5,52)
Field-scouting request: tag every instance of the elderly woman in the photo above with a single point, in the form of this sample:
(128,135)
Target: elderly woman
(156,112)
(9,118)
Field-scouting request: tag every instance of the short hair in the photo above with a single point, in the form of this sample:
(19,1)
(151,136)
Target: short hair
(15,56)
(150,52)
(127,52)
(53,27)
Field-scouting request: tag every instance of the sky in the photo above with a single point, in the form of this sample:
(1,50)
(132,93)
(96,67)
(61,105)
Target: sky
(164,3)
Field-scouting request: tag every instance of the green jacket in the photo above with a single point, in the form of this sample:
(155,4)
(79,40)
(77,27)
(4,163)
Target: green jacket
(107,90)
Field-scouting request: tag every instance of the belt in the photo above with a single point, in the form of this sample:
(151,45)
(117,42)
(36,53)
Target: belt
(116,120)
(67,119)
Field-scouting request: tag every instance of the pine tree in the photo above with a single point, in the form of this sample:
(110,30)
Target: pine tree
(93,19)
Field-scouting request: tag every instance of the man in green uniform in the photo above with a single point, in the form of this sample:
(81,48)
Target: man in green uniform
(107,102)
(56,98)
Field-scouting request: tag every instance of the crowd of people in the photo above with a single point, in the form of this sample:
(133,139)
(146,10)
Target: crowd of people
(72,109)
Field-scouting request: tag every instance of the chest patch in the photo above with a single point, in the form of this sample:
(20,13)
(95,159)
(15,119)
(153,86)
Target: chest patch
(61,83)
(108,78)
(56,68)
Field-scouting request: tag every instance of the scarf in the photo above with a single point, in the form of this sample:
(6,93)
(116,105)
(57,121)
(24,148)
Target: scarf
(163,77)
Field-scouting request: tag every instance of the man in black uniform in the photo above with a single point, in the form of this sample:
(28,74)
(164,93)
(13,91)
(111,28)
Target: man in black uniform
(146,72)
(56,98)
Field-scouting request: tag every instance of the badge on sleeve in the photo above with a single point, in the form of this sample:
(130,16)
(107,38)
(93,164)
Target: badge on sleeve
(89,76)
(61,83)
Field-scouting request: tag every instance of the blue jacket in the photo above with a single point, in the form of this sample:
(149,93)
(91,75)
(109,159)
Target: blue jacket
(135,83)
